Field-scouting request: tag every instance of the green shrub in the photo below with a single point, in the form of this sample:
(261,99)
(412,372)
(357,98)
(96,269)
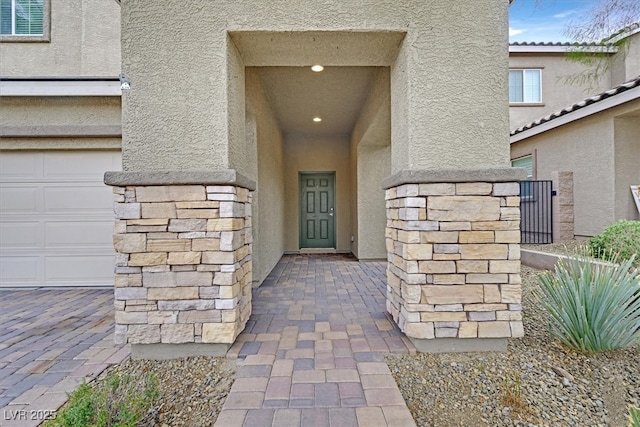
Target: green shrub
(593,307)
(115,401)
(634,417)
(619,241)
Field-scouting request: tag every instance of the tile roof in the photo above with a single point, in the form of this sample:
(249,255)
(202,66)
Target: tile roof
(584,103)
(553,44)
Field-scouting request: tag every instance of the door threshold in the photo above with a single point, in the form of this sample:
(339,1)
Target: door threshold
(318,251)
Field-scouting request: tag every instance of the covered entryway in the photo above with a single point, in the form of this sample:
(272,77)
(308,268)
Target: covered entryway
(211,165)
(56,218)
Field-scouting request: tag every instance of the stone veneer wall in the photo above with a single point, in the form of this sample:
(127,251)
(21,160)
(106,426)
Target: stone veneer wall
(563,219)
(183,263)
(454,259)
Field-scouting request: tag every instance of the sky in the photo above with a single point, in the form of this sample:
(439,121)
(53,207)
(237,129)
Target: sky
(544,20)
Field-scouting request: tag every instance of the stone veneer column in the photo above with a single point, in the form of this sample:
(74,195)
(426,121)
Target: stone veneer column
(453,245)
(183,264)
(562,205)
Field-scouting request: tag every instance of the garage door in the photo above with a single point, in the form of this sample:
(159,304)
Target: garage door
(56,218)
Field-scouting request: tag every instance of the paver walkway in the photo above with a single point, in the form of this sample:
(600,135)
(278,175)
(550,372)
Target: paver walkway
(312,353)
(50,341)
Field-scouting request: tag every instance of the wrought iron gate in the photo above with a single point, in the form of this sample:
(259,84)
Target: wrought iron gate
(536,216)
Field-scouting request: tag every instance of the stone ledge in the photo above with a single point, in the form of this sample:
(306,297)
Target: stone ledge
(547,261)
(170,177)
(460,345)
(422,176)
(177,351)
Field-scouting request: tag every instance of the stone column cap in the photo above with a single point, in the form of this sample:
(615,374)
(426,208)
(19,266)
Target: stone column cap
(171,177)
(424,176)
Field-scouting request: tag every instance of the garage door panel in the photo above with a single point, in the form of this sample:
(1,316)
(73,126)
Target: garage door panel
(85,165)
(76,199)
(56,221)
(23,199)
(17,165)
(20,235)
(20,270)
(78,269)
(78,234)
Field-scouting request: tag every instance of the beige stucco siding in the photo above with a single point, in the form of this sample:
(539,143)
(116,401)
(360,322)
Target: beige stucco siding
(59,111)
(371,148)
(602,171)
(557,71)
(85,41)
(184,122)
(627,163)
(269,198)
(317,154)
(373,166)
(626,63)
(585,148)
(50,123)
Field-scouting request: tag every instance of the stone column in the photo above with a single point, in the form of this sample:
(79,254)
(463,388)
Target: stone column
(453,245)
(183,262)
(562,206)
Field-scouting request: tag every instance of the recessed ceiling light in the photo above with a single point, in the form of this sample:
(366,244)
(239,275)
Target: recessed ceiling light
(317,119)
(317,68)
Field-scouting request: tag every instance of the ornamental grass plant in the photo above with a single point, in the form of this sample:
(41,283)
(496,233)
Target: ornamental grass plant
(634,417)
(594,307)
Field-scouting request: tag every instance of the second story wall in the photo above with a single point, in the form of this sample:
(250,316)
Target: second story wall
(626,64)
(85,41)
(561,85)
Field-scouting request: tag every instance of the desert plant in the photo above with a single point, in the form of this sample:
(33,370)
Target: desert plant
(634,417)
(593,306)
(114,401)
(618,242)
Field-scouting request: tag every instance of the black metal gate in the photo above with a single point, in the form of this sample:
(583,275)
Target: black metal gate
(536,217)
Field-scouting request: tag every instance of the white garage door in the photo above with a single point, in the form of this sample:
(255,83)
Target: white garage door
(56,218)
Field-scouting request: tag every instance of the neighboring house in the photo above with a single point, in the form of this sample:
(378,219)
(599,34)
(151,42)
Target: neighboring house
(59,132)
(224,170)
(591,143)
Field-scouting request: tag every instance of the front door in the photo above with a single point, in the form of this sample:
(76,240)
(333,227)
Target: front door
(317,213)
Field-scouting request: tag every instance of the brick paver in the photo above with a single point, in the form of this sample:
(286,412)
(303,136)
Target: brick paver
(50,341)
(314,348)
(311,354)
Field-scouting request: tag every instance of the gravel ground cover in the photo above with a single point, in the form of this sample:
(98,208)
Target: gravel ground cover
(538,382)
(192,390)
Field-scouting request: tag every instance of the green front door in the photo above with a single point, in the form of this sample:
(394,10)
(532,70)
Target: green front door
(317,210)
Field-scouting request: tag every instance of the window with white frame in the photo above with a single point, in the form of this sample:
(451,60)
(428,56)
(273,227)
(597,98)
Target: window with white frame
(22,17)
(525,86)
(526,163)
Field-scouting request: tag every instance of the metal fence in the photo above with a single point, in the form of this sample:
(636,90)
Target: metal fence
(536,216)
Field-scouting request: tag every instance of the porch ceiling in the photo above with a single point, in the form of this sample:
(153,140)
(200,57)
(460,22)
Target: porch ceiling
(297,95)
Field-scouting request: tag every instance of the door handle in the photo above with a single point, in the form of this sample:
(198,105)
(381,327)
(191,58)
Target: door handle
(331,214)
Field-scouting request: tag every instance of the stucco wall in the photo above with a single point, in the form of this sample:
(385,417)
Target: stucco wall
(627,161)
(561,86)
(59,111)
(321,154)
(373,166)
(269,197)
(371,146)
(85,41)
(626,63)
(176,115)
(76,120)
(584,147)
